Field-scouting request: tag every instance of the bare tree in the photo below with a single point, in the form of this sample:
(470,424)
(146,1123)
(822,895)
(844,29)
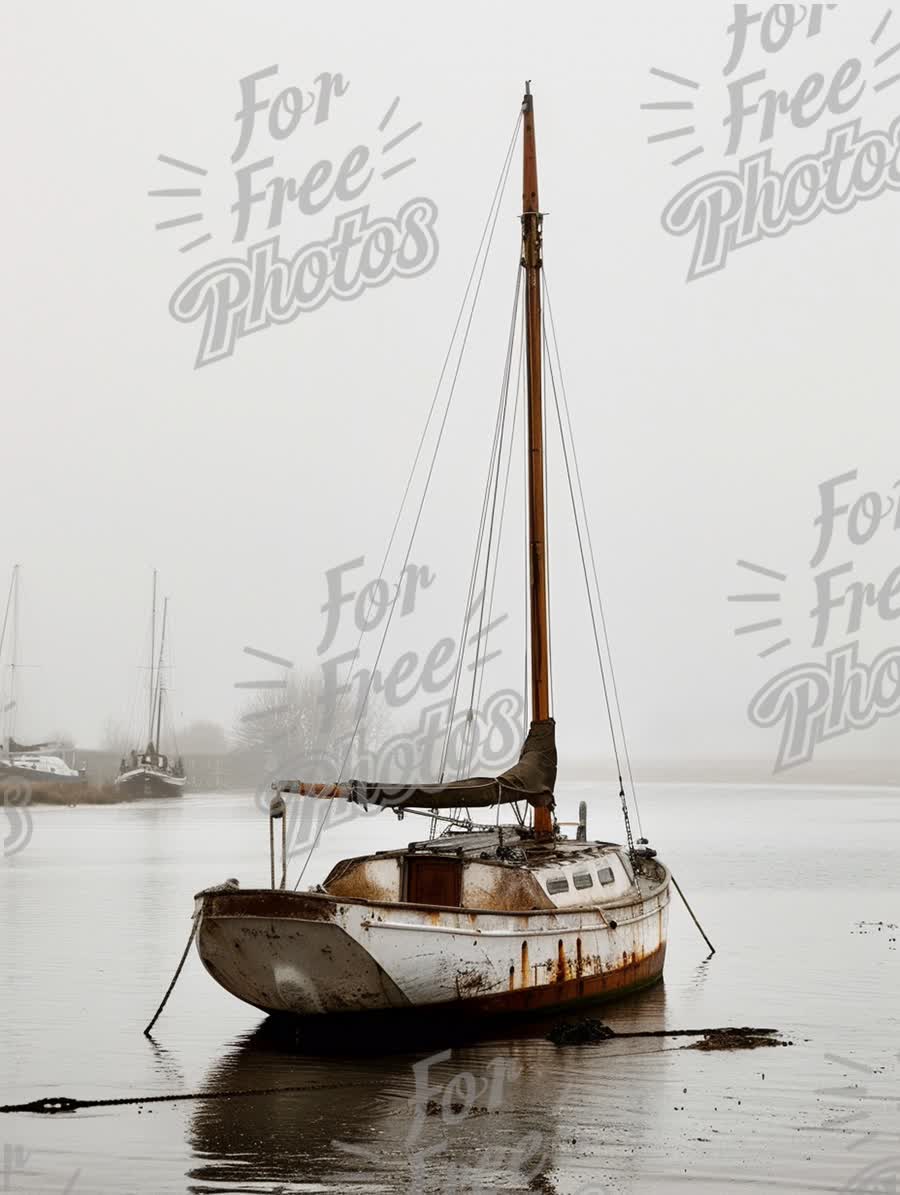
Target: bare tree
(203,738)
(116,739)
(302,726)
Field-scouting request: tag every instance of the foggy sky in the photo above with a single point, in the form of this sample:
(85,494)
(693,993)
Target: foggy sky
(707,413)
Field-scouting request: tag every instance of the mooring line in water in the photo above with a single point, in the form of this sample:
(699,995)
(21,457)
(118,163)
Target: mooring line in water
(190,942)
(572,1033)
(693,915)
(63,1103)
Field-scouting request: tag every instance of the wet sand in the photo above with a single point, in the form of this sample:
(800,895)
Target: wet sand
(796,888)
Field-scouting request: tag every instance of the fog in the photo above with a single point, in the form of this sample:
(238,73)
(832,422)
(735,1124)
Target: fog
(707,413)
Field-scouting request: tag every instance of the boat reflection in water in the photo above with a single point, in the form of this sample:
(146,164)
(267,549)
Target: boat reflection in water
(425,1107)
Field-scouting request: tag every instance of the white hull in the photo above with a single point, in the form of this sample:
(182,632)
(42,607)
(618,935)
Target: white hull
(313,954)
(39,768)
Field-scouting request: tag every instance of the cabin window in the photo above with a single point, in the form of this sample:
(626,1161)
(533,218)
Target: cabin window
(606,875)
(583,879)
(557,884)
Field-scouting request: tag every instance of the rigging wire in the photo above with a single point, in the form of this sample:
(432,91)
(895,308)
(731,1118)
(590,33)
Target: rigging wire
(473,580)
(492,222)
(476,705)
(593,560)
(612,729)
(11,726)
(4,697)
(515,804)
(9,597)
(471,598)
(496,465)
(488,227)
(545,443)
(493,586)
(606,690)
(464,822)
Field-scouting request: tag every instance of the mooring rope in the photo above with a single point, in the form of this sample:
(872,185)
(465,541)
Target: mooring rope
(595,1032)
(196,923)
(64,1103)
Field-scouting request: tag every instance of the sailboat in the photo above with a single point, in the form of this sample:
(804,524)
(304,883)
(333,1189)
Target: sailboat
(150,773)
(483,920)
(34,762)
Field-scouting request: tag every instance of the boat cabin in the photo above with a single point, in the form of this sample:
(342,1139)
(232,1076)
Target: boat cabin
(497,872)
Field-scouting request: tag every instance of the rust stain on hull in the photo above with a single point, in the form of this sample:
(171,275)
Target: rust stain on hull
(590,989)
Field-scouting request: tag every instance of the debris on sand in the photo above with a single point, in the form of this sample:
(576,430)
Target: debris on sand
(888,928)
(737,1039)
(434,1108)
(585,1032)
(579,1033)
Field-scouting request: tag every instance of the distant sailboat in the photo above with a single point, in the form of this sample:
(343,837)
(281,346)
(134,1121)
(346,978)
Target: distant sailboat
(492,919)
(24,761)
(150,773)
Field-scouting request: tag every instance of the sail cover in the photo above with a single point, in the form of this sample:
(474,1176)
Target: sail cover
(532,779)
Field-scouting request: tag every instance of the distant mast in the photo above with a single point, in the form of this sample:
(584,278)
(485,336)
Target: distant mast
(8,724)
(537,532)
(159,674)
(152,661)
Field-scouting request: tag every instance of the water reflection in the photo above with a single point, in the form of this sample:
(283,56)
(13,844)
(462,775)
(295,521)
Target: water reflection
(417,1106)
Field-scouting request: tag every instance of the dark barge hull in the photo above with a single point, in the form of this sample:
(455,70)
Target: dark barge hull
(150,784)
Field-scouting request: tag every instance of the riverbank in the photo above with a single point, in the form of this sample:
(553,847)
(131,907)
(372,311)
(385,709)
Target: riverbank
(29,792)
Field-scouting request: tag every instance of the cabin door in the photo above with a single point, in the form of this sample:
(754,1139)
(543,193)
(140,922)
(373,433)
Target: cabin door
(431,881)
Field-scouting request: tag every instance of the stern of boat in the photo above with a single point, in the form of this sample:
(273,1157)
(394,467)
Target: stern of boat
(285,953)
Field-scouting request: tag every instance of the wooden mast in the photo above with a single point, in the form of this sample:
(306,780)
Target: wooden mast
(537,557)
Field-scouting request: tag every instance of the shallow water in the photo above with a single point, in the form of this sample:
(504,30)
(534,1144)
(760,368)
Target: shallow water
(789,883)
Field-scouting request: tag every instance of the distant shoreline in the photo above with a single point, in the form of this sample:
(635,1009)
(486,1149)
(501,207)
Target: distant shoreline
(837,773)
(40,793)
(236,773)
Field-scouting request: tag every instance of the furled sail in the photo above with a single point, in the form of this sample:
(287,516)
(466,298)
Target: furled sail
(531,779)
